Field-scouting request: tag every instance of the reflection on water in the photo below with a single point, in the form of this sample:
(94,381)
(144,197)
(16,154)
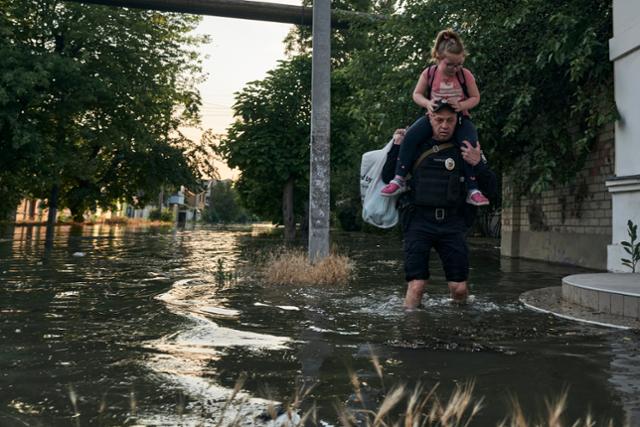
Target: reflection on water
(154,326)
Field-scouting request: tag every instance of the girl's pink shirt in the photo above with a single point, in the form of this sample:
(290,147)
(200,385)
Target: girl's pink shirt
(448,88)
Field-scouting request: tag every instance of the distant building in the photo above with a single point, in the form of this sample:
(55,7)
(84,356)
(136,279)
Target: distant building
(185,205)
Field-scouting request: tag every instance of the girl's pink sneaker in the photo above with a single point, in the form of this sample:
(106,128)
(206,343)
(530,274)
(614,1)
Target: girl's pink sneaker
(393,188)
(476,198)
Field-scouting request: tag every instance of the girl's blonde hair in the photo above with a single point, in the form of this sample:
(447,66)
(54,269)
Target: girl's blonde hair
(447,41)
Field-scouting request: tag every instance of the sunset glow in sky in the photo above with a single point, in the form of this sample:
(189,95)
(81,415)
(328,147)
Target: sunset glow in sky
(240,51)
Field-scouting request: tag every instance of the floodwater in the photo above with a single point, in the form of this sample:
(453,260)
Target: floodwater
(154,326)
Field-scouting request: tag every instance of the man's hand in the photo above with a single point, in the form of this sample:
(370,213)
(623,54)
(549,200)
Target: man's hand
(471,155)
(456,105)
(398,136)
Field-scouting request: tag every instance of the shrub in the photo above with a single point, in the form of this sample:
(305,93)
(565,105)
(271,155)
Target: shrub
(631,247)
(164,215)
(292,267)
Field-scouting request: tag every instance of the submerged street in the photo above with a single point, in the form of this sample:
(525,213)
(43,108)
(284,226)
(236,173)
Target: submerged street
(154,326)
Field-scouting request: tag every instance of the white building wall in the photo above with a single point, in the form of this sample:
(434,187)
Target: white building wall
(626,15)
(624,51)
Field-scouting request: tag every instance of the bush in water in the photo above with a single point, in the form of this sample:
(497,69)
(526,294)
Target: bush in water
(163,215)
(292,267)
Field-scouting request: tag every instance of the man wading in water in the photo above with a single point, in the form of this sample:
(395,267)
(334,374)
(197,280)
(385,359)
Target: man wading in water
(433,212)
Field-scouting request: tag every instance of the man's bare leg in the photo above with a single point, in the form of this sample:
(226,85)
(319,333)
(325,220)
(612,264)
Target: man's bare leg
(459,291)
(415,291)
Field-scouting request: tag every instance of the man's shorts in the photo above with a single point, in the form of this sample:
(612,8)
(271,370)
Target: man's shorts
(421,233)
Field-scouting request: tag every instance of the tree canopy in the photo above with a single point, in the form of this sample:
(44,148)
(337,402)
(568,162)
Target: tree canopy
(542,68)
(91,99)
(269,141)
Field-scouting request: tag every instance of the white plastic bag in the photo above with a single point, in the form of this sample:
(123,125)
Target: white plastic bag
(377,210)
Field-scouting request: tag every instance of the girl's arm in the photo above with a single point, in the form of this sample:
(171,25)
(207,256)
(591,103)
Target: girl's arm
(389,168)
(474,93)
(418,92)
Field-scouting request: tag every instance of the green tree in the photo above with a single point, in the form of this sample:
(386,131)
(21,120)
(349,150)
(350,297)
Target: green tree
(269,142)
(23,79)
(93,108)
(224,205)
(276,112)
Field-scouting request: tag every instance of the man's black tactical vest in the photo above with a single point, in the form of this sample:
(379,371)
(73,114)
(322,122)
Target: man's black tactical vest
(437,180)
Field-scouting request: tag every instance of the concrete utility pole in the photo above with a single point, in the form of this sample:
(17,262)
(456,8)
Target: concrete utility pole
(319,183)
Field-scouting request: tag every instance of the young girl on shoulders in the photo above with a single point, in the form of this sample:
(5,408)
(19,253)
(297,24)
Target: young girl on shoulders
(446,80)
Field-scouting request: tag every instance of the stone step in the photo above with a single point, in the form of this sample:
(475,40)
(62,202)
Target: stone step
(549,300)
(609,293)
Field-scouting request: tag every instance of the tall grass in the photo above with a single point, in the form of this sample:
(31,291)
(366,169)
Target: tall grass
(292,267)
(401,407)
(405,407)
(420,407)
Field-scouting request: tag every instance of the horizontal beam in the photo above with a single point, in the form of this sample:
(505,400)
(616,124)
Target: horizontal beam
(241,9)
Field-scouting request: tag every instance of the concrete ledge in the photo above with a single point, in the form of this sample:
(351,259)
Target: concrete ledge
(623,184)
(609,293)
(549,300)
(625,43)
(585,250)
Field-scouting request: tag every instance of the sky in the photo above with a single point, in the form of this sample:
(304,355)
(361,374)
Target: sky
(240,51)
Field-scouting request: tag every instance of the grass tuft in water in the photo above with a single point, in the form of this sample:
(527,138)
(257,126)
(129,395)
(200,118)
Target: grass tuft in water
(292,267)
(424,408)
(400,407)
(420,407)
(554,416)
(73,397)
